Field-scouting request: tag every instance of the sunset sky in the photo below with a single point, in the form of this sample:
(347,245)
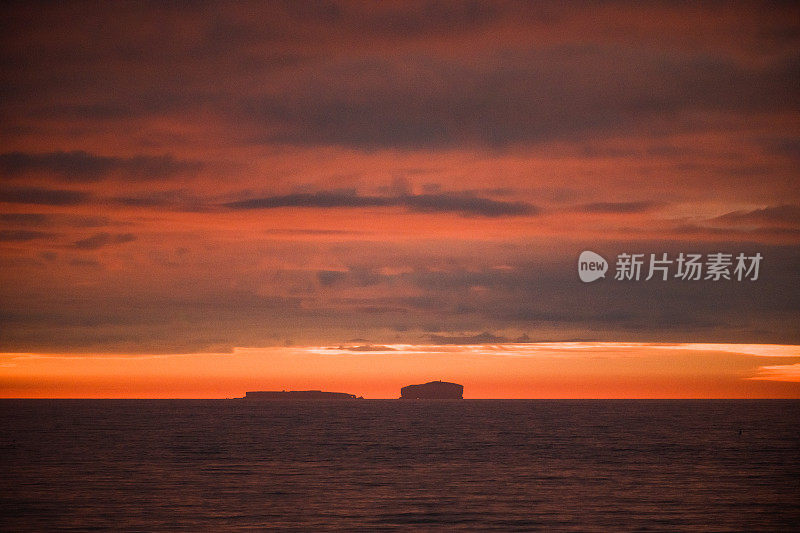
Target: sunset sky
(199,199)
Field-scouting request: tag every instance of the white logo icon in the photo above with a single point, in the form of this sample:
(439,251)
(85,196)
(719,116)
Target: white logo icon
(591,266)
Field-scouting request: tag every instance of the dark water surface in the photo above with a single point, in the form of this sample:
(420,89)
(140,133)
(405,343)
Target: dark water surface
(217,465)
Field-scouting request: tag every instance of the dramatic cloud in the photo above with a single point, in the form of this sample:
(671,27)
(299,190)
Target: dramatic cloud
(42,196)
(22,235)
(619,207)
(480,338)
(561,93)
(463,204)
(246,174)
(42,219)
(25,219)
(80,166)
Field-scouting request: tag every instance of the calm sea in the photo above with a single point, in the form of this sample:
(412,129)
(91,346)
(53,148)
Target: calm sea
(219,465)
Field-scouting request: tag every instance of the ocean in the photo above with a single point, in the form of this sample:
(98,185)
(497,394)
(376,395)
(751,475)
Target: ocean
(384,465)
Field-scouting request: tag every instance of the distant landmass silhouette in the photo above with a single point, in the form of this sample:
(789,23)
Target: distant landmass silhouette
(298,395)
(433,390)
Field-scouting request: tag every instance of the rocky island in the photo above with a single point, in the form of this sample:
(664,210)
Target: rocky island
(298,395)
(433,390)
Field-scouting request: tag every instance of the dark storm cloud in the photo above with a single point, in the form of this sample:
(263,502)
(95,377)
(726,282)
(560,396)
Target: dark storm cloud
(80,166)
(354,276)
(786,147)
(25,219)
(462,204)
(329,277)
(779,214)
(564,93)
(619,207)
(466,205)
(106,320)
(318,199)
(100,240)
(548,296)
(480,338)
(311,74)
(44,220)
(543,298)
(42,196)
(22,235)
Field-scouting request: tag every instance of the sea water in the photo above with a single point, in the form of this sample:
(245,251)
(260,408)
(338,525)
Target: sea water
(518,465)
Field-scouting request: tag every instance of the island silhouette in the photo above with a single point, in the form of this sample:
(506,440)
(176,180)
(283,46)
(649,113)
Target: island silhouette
(433,390)
(299,395)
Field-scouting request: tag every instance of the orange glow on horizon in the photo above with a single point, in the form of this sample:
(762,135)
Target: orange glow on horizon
(536,370)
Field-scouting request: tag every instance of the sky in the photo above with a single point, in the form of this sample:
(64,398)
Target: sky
(198,199)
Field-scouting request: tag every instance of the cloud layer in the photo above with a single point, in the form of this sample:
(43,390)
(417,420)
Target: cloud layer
(180,177)
(463,204)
